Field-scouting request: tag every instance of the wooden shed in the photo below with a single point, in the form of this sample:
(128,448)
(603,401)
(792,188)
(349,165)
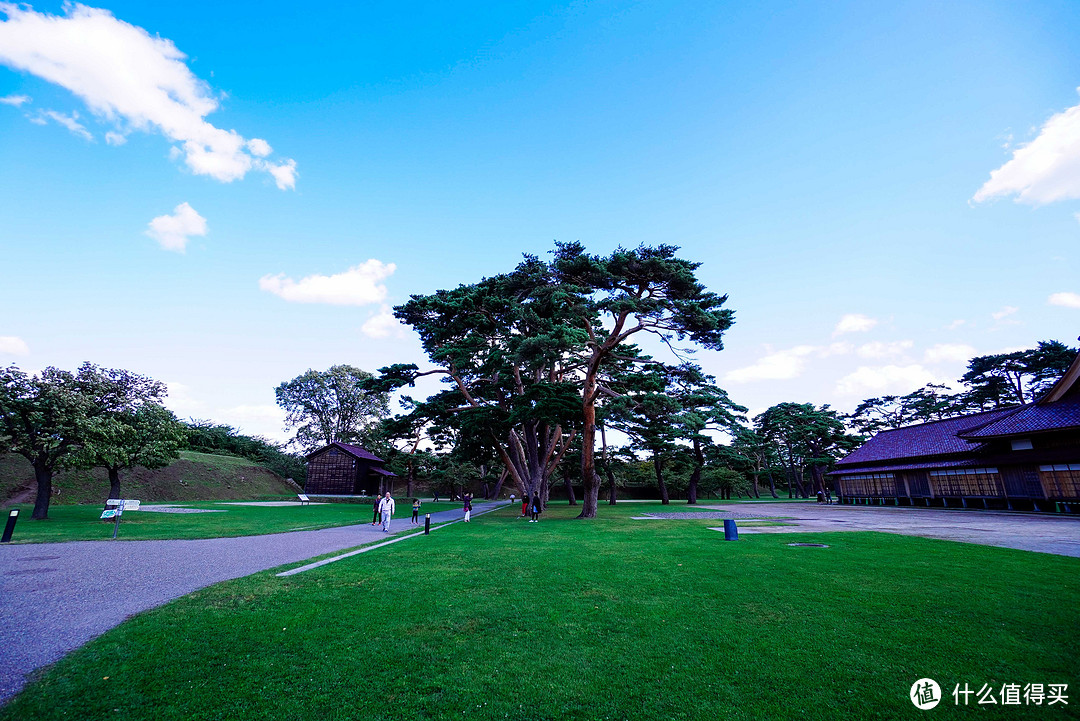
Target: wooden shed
(340,469)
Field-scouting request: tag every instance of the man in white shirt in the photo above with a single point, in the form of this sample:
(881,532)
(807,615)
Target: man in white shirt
(386,510)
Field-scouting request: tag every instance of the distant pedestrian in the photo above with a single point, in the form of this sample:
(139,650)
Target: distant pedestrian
(386,508)
(511,499)
(416,511)
(375,511)
(535,509)
(436,496)
(468,507)
(524,506)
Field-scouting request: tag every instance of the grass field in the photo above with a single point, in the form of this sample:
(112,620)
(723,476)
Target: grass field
(609,619)
(83,523)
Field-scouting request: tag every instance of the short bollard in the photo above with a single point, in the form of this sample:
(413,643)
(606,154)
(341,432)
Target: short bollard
(427,523)
(13,515)
(731,533)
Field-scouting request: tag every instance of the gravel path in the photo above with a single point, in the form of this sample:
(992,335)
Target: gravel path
(57,596)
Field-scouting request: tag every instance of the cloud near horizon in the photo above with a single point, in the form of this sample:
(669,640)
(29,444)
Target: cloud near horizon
(885,379)
(135,81)
(784,364)
(172,232)
(13,345)
(1045,170)
(358,285)
(1065,300)
(854,323)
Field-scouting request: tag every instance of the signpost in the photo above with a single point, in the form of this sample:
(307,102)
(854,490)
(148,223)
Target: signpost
(121,505)
(13,515)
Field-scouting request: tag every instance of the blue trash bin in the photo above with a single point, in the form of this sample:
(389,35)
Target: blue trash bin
(731,533)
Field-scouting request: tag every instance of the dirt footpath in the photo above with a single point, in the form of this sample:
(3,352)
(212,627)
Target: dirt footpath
(1025,531)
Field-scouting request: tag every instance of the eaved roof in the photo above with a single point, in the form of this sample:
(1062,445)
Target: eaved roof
(383,472)
(355,451)
(935,438)
(1032,418)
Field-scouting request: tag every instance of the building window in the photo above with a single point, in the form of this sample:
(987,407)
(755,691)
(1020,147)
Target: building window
(868,484)
(333,451)
(1061,480)
(966,482)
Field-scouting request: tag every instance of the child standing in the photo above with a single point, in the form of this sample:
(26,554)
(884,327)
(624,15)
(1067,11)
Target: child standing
(416,511)
(468,507)
(375,512)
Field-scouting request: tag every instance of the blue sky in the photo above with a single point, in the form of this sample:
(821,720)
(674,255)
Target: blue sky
(828,163)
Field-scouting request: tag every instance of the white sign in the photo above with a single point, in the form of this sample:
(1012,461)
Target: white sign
(108,514)
(128,505)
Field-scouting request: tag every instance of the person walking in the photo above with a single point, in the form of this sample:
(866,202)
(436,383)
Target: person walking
(524,506)
(375,511)
(468,507)
(416,511)
(386,508)
(535,509)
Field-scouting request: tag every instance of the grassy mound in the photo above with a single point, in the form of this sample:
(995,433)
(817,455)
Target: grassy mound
(193,477)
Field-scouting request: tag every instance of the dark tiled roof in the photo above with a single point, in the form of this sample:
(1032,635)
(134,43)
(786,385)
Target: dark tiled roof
(968,463)
(383,472)
(1033,418)
(936,438)
(356,451)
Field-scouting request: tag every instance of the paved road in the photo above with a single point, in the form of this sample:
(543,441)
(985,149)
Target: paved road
(54,597)
(1025,531)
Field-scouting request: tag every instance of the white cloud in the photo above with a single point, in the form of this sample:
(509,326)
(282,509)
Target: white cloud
(1044,170)
(948,352)
(180,400)
(259,420)
(358,285)
(259,147)
(382,325)
(114,138)
(854,323)
(884,380)
(879,349)
(782,365)
(12,345)
(15,100)
(1067,300)
(1004,312)
(955,324)
(172,232)
(284,174)
(126,75)
(71,122)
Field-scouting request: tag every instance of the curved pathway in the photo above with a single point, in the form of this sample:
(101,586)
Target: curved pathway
(54,597)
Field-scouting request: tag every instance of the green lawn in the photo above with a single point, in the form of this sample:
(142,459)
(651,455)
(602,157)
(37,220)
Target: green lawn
(609,619)
(83,523)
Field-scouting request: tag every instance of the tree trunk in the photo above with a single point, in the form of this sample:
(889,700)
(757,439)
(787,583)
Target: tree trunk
(658,466)
(499,485)
(772,484)
(410,477)
(589,479)
(569,485)
(114,483)
(695,477)
(43,475)
(607,467)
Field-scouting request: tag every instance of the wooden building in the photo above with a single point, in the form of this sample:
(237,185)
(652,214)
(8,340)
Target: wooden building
(340,469)
(1024,458)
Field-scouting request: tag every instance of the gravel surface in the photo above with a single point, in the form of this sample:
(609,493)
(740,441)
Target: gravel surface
(58,596)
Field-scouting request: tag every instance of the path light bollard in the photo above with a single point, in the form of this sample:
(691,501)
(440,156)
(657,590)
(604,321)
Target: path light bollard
(731,532)
(427,523)
(13,515)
